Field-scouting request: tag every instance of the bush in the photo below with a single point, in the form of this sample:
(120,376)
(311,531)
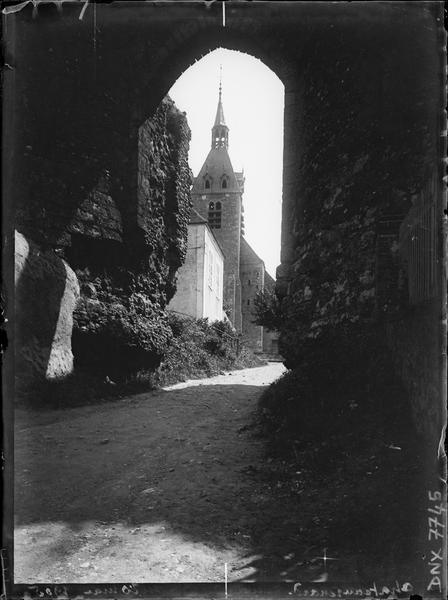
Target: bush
(120,353)
(268,311)
(201,349)
(341,423)
(115,340)
(343,387)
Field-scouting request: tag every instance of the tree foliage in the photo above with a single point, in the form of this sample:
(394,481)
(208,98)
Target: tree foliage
(268,310)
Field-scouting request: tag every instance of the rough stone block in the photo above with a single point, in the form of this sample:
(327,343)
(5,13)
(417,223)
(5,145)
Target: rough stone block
(46,294)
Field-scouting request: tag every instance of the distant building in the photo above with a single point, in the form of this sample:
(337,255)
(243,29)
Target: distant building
(270,338)
(200,279)
(252,276)
(254,279)
(217,197)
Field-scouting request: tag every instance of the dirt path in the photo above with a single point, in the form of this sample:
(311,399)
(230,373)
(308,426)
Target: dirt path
(169,486)
(164,486)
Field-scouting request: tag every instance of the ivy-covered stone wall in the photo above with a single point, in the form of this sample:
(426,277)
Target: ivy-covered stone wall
(126,268)
(120,321)
(367,152)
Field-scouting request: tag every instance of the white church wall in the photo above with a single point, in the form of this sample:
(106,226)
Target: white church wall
(188,298)
(213,278)
(200,279)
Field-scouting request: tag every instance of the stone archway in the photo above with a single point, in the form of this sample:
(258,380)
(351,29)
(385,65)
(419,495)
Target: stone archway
(356,147)
(348,145)
(187,45)
(202,45)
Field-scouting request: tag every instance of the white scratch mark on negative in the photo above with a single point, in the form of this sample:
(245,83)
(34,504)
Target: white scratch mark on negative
(84,8)
(441,449)
(18,7)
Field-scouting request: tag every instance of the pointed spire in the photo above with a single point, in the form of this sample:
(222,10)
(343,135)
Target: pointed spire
(220,131)
(219,120)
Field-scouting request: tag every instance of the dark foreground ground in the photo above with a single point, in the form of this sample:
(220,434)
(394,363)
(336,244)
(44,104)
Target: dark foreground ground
(168,486)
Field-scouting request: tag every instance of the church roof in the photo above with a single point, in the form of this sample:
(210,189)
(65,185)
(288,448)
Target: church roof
(217,174)
(248,254)
(219,119)
(269,282)
(195,218)
(216,167)
(249,257)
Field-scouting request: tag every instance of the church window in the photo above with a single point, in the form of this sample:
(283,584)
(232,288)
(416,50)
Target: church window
(207,184)
(214,215)
(248,282)
(224,183)
(248,302)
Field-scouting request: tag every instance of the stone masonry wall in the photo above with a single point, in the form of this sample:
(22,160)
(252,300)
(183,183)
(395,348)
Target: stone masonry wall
(126,270)
(46,292)
(121,324)
(252,276)
(362,161)
(420,373)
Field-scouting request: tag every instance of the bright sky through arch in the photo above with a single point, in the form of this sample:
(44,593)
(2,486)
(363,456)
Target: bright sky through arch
(253,102)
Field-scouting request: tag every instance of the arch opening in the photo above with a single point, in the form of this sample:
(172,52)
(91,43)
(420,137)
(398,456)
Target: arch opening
(239,171)
(204,41)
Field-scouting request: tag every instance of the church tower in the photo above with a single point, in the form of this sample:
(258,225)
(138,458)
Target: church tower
(217,196)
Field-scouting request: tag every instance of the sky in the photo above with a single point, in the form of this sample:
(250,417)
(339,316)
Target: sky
(253,102)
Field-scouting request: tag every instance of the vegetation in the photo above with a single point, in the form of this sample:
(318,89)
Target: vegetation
(201,349)
(339,427)
(326,397)
(117,339)
(267,310)
(194,349)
